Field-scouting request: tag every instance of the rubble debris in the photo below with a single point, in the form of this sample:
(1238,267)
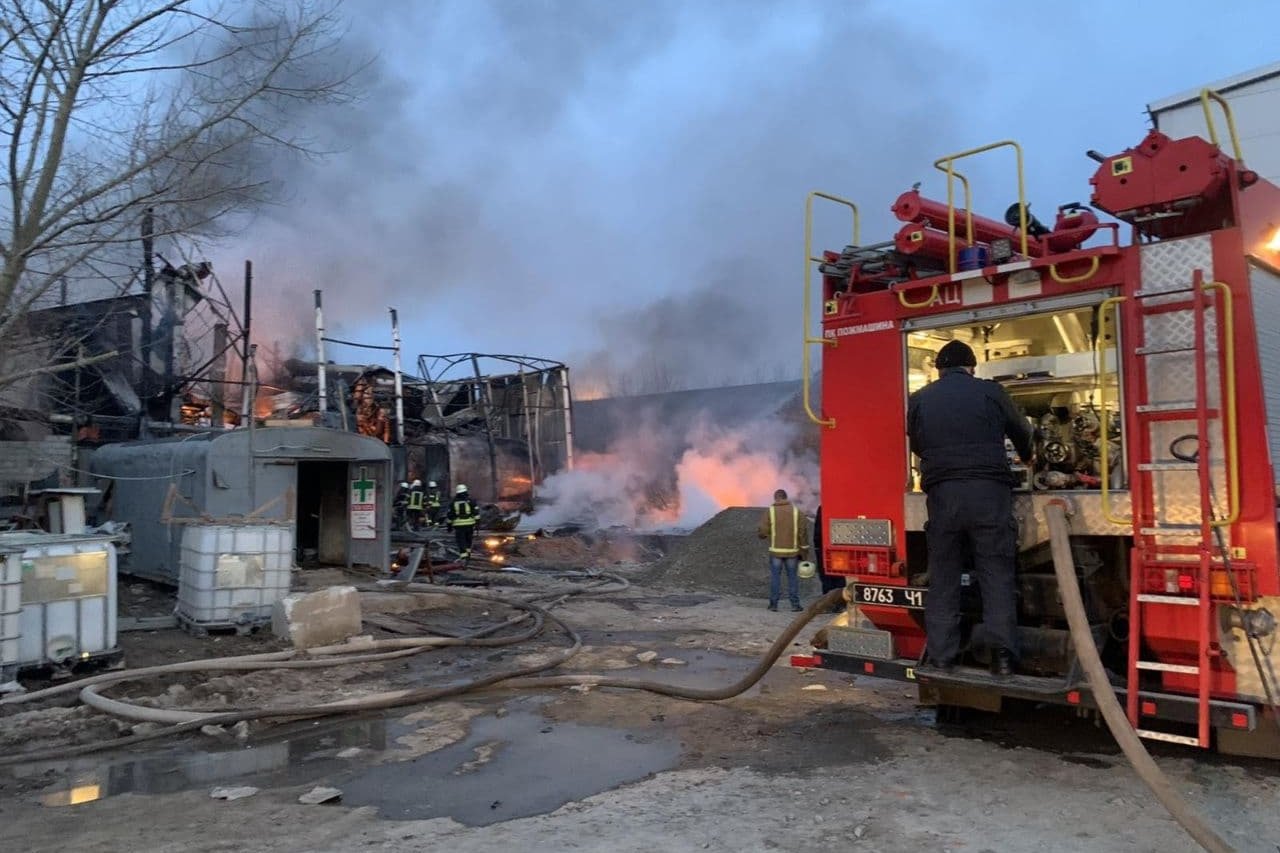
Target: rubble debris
(320,618)
(213,731)
(725,556)
(645,657)
(673,662)
(319,795)
(233,793)
(350,752)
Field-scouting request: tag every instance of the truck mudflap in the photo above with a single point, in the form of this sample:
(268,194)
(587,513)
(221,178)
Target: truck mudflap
(1239,716)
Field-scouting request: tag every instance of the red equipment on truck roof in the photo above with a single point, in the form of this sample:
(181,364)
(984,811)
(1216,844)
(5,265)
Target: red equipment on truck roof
(1151,371)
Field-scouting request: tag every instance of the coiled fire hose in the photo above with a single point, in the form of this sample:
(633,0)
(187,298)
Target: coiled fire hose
(185,721)
(527,677)
(1115,717)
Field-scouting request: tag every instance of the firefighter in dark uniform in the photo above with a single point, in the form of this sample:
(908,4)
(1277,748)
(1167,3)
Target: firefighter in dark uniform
(463,518)
(434,501)
(957,426)
(415,505)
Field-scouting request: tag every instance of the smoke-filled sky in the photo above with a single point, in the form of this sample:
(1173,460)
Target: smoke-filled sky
(620,184)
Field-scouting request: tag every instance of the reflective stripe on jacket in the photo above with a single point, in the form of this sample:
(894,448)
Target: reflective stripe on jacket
(785,530)
(415,500)
(433,499)
(462,513)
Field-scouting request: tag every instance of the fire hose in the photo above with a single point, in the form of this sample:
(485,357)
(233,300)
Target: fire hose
(1105,696)
(185,721)
(528,678)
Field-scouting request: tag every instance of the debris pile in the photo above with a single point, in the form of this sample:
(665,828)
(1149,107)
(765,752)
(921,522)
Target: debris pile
(724,555)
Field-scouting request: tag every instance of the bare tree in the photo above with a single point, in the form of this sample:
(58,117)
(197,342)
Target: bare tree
(116,107)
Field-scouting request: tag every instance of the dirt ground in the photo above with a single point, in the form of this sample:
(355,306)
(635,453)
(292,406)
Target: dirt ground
(803,761)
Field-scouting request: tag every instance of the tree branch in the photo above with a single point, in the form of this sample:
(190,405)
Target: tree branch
(19,375)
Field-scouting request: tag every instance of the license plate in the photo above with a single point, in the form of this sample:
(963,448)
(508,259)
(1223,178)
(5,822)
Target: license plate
(910,597)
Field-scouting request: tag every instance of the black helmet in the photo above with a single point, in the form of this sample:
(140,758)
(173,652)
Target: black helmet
(955,354)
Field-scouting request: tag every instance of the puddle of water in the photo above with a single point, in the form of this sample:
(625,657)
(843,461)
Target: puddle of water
(509,767)
(292,757)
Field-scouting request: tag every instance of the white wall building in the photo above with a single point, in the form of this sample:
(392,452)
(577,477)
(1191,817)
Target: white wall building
(1255,101)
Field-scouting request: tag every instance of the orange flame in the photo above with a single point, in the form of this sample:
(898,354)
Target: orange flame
(1273,245)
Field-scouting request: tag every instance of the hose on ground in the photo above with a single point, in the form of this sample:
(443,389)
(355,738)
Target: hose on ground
(1104,695)
(91,694)
(376,702)
(522,677)
(743,684)
(91,697)
(322,656)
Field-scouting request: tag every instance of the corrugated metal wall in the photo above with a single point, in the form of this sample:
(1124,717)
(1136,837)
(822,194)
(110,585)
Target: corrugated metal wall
(1256,106)
(1265,290)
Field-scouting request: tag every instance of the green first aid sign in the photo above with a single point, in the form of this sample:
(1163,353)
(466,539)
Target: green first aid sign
(364,508)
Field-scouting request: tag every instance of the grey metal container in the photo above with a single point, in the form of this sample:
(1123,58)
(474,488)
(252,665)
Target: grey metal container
(302,477)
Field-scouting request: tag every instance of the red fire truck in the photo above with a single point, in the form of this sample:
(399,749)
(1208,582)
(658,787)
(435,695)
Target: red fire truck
(1146,353)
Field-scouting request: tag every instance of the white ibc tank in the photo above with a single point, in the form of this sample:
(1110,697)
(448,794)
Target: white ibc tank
(10,612)
(232,575)
(68,591)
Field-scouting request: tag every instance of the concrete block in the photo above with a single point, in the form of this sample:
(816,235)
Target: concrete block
(317,618)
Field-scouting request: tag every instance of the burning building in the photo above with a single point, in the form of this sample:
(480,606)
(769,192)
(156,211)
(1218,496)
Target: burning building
(501,424)
(673,460)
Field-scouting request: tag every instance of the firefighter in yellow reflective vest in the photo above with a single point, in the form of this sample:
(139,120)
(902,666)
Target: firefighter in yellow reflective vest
(415,504)
(434,499)
(463,517)
(787,530)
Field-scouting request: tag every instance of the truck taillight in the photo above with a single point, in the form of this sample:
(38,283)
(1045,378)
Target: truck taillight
(859,561)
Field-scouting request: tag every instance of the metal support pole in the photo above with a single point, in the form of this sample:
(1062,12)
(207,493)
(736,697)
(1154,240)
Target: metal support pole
(251,397)
(323,389)
(482,387)
(217,375)
(537,419)
(568,419)
(248,322)
(528,432)
(175,295)
(148,285)
(395,341)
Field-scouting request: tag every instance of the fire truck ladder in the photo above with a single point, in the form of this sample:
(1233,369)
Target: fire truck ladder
(1175,556)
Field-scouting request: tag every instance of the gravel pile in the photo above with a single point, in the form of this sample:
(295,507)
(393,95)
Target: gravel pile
(725,555)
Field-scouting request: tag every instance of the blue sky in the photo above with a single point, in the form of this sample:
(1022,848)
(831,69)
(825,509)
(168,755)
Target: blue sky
(621,185)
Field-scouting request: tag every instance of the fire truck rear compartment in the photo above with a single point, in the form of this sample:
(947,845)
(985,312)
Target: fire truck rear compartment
(1060,368)
(1054,365)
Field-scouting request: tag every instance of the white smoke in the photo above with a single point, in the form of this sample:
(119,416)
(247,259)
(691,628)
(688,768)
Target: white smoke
(646,483)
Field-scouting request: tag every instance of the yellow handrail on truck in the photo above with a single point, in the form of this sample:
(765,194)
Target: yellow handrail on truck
(809,340)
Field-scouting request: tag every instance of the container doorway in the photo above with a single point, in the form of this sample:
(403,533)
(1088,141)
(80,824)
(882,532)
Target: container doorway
(323,534)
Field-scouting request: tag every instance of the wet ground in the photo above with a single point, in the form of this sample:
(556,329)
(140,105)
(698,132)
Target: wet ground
(805,760)
(509,767)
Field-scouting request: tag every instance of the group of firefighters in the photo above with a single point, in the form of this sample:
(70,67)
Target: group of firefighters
(418,508)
